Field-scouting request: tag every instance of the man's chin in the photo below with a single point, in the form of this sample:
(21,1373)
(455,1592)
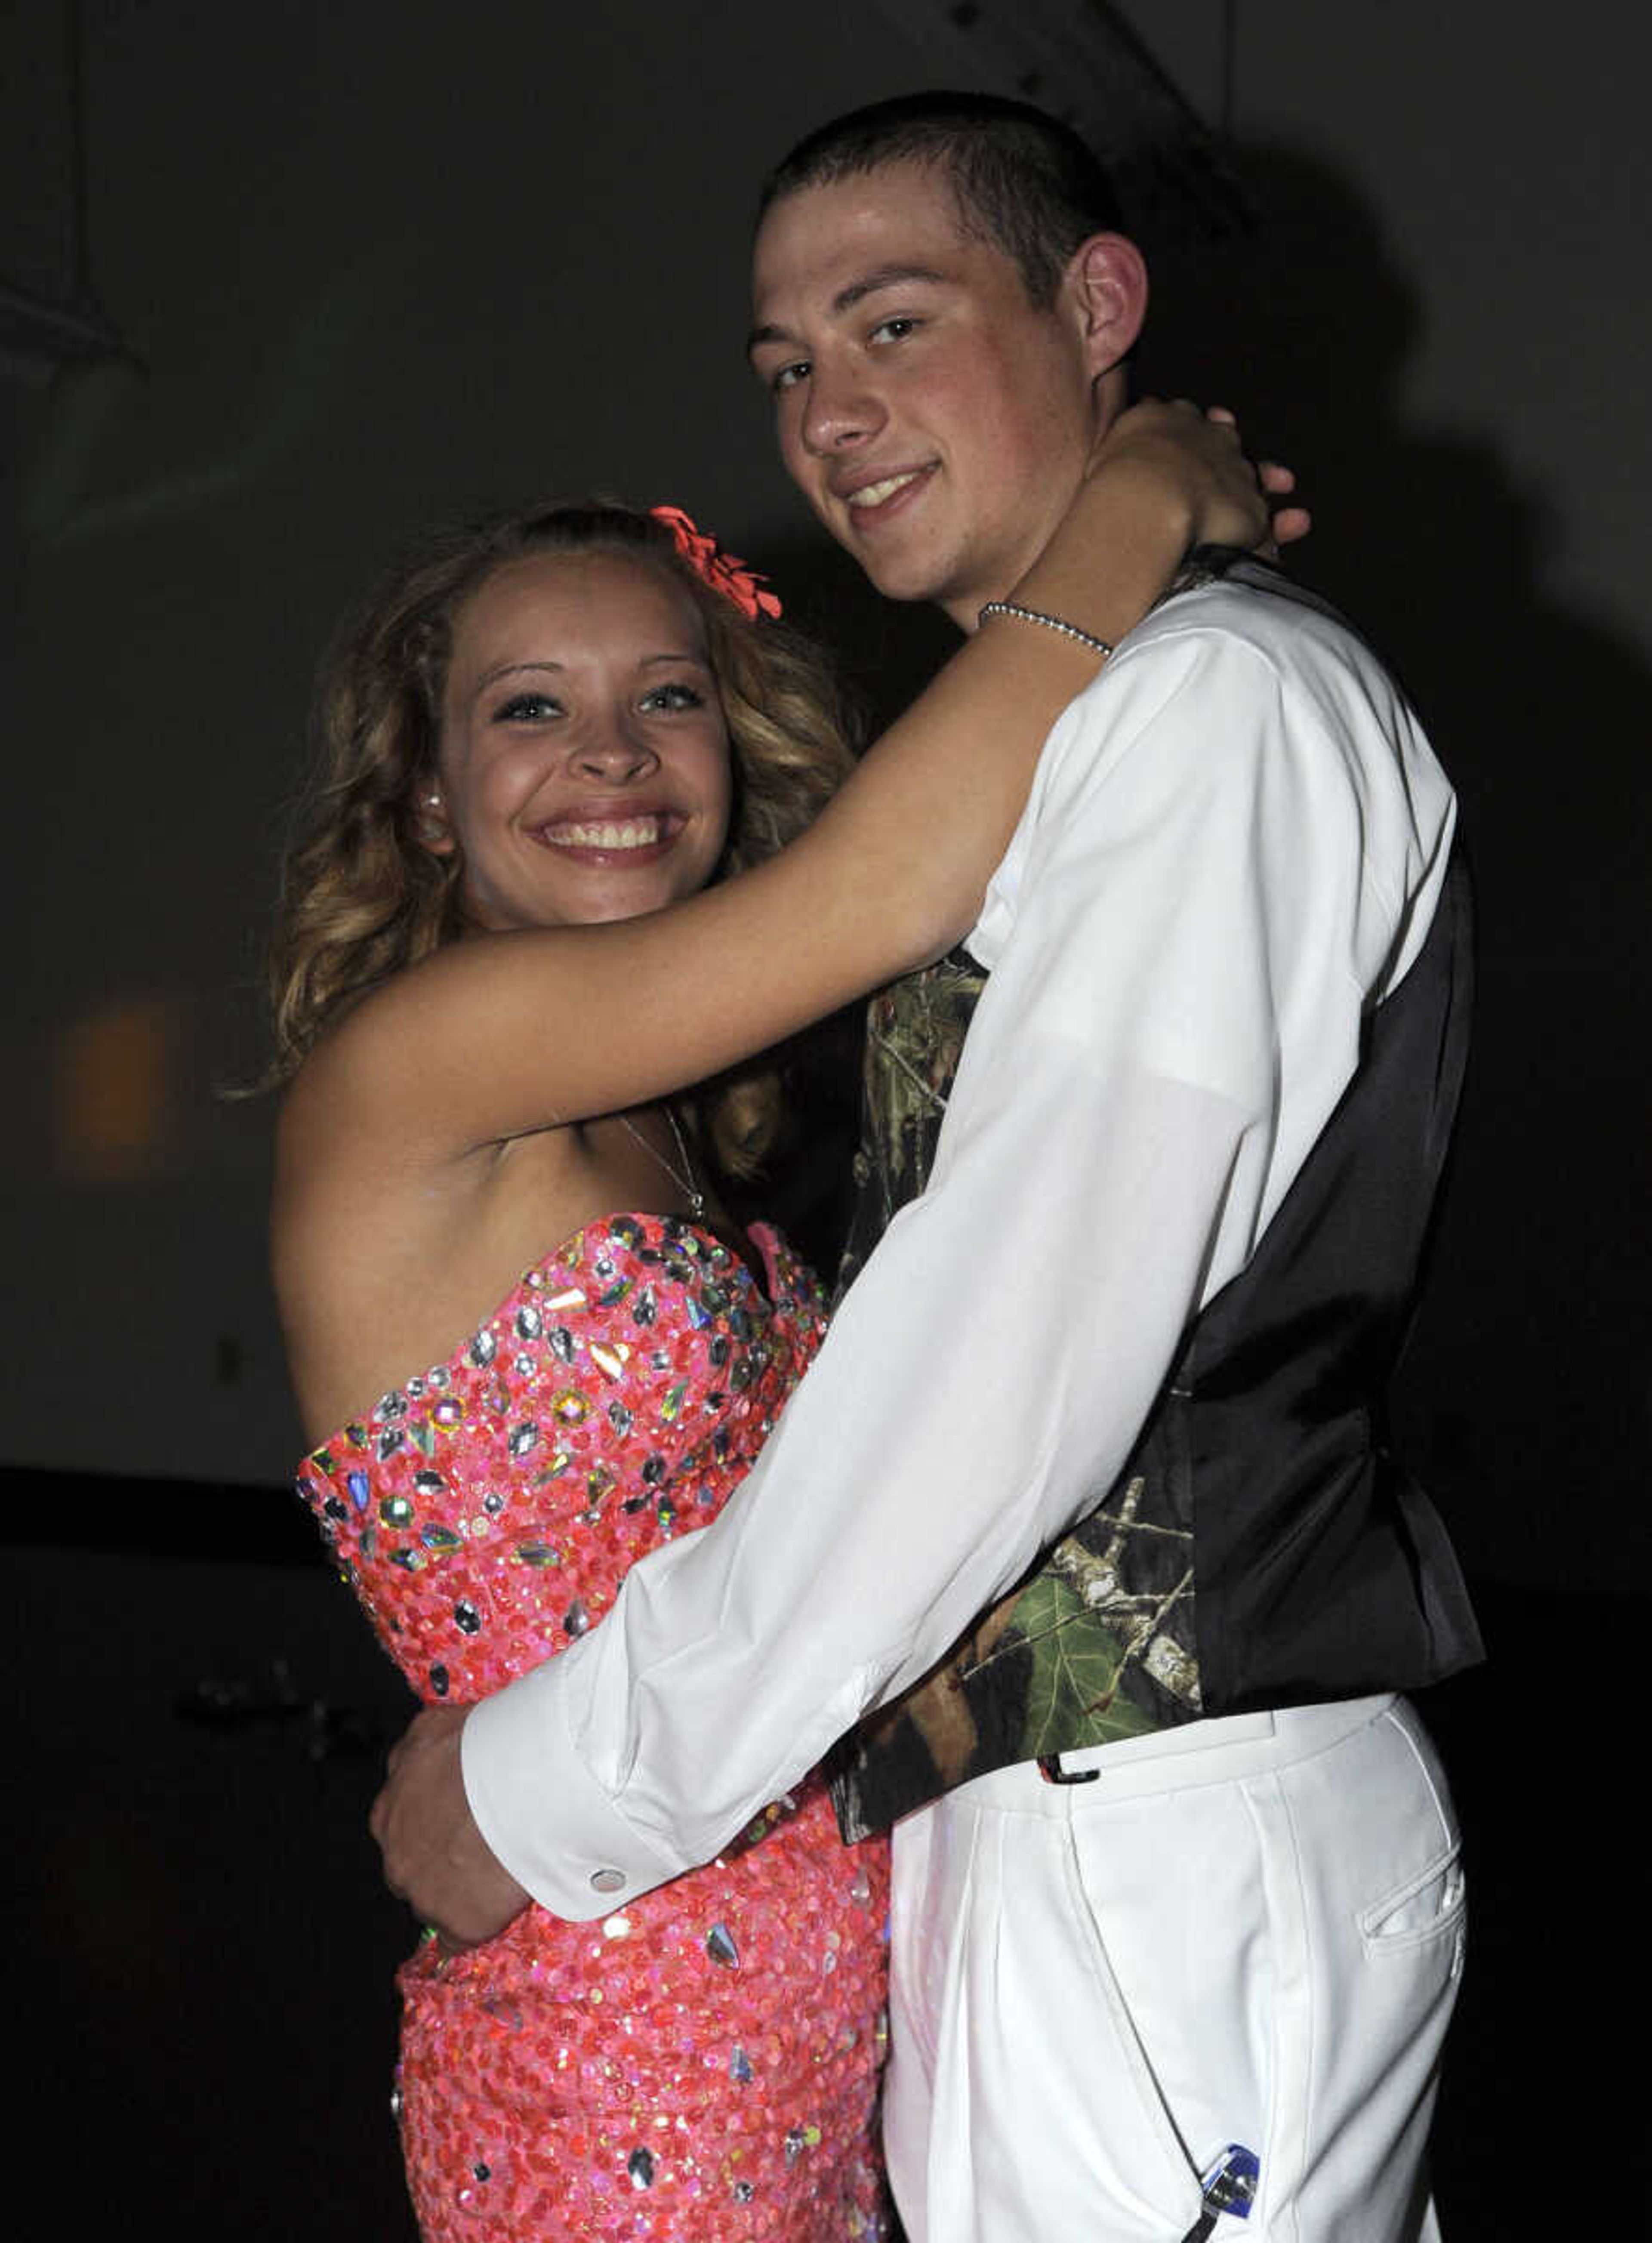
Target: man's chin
(900,576)
(917,575)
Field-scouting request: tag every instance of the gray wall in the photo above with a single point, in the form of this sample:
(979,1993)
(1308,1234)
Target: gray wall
(380,263)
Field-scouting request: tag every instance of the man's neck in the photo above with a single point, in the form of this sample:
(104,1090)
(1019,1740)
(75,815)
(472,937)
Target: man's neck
(1048,508)
(1000,582)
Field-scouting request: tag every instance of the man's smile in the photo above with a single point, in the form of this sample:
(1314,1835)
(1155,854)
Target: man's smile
(867,495)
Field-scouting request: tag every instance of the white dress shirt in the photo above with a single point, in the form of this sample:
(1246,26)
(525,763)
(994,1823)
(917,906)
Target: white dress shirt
(1232,847)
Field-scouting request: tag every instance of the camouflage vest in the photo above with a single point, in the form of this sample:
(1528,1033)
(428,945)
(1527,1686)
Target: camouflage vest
(1260,1547)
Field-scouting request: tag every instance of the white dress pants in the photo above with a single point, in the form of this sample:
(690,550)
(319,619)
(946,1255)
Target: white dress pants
(1247,1930)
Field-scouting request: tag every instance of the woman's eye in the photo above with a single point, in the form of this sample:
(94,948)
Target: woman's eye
(788,377)
(674,696)
(894,330)
(526,708)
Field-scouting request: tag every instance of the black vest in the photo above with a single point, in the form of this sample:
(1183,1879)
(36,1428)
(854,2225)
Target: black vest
(1261,1547)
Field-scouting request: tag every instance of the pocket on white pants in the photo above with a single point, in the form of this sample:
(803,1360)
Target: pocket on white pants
(1427,1906)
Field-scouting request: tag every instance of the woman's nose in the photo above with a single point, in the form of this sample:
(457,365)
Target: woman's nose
(613,750)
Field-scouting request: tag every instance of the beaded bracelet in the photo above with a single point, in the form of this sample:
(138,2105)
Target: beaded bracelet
(1050,623)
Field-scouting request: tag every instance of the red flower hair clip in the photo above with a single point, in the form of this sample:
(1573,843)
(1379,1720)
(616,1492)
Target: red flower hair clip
(724,572)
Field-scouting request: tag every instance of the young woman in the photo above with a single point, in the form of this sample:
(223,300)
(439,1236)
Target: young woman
(538,737)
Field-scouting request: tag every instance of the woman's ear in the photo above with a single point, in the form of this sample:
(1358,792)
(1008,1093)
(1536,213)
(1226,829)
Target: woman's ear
(434,831)
(1106,284)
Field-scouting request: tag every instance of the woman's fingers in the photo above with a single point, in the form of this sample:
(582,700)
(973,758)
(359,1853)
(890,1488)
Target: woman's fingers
(1287,523)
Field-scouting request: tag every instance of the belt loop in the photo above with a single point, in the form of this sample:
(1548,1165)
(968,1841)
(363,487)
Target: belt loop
(1050,1769)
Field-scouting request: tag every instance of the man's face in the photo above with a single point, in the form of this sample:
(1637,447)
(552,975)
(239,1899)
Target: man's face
(935,419)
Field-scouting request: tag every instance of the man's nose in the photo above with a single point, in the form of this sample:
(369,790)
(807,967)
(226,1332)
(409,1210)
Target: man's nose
(843,409)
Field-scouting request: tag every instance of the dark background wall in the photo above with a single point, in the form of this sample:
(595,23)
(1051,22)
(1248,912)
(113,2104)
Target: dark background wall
(373,267)
(374,263)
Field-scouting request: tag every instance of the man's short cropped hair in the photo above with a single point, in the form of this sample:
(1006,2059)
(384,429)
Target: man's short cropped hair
(1021,180)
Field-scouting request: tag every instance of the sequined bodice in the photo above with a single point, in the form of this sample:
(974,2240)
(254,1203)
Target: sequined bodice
(486,1511)
(702,2064)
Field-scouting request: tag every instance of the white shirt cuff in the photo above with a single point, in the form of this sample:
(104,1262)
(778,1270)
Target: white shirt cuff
(543,1813)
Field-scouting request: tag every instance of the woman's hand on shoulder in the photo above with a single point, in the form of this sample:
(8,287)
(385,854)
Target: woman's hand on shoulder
(1162,479)
(1198,458)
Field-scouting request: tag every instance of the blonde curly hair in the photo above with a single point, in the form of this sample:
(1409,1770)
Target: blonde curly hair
(362,896)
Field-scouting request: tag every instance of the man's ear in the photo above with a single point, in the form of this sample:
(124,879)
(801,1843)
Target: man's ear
(1106,285)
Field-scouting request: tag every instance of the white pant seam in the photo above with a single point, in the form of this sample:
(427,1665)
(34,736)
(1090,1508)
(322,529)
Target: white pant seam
(1447,1823)
(1163,2118)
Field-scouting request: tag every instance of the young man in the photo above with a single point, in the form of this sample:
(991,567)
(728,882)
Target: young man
(1084,1491)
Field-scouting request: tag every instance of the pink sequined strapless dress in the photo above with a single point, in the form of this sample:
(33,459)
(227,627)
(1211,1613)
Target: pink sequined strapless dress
(704,2062)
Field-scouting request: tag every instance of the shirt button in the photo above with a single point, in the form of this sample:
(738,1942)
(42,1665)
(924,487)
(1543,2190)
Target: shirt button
(606,1880)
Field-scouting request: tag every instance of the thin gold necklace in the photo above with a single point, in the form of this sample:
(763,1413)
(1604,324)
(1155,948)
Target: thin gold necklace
(686,1185)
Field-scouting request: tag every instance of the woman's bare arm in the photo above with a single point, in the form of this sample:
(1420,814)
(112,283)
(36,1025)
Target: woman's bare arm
(506,1033)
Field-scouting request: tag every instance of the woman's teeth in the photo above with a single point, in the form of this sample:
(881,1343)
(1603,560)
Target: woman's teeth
(630,833)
